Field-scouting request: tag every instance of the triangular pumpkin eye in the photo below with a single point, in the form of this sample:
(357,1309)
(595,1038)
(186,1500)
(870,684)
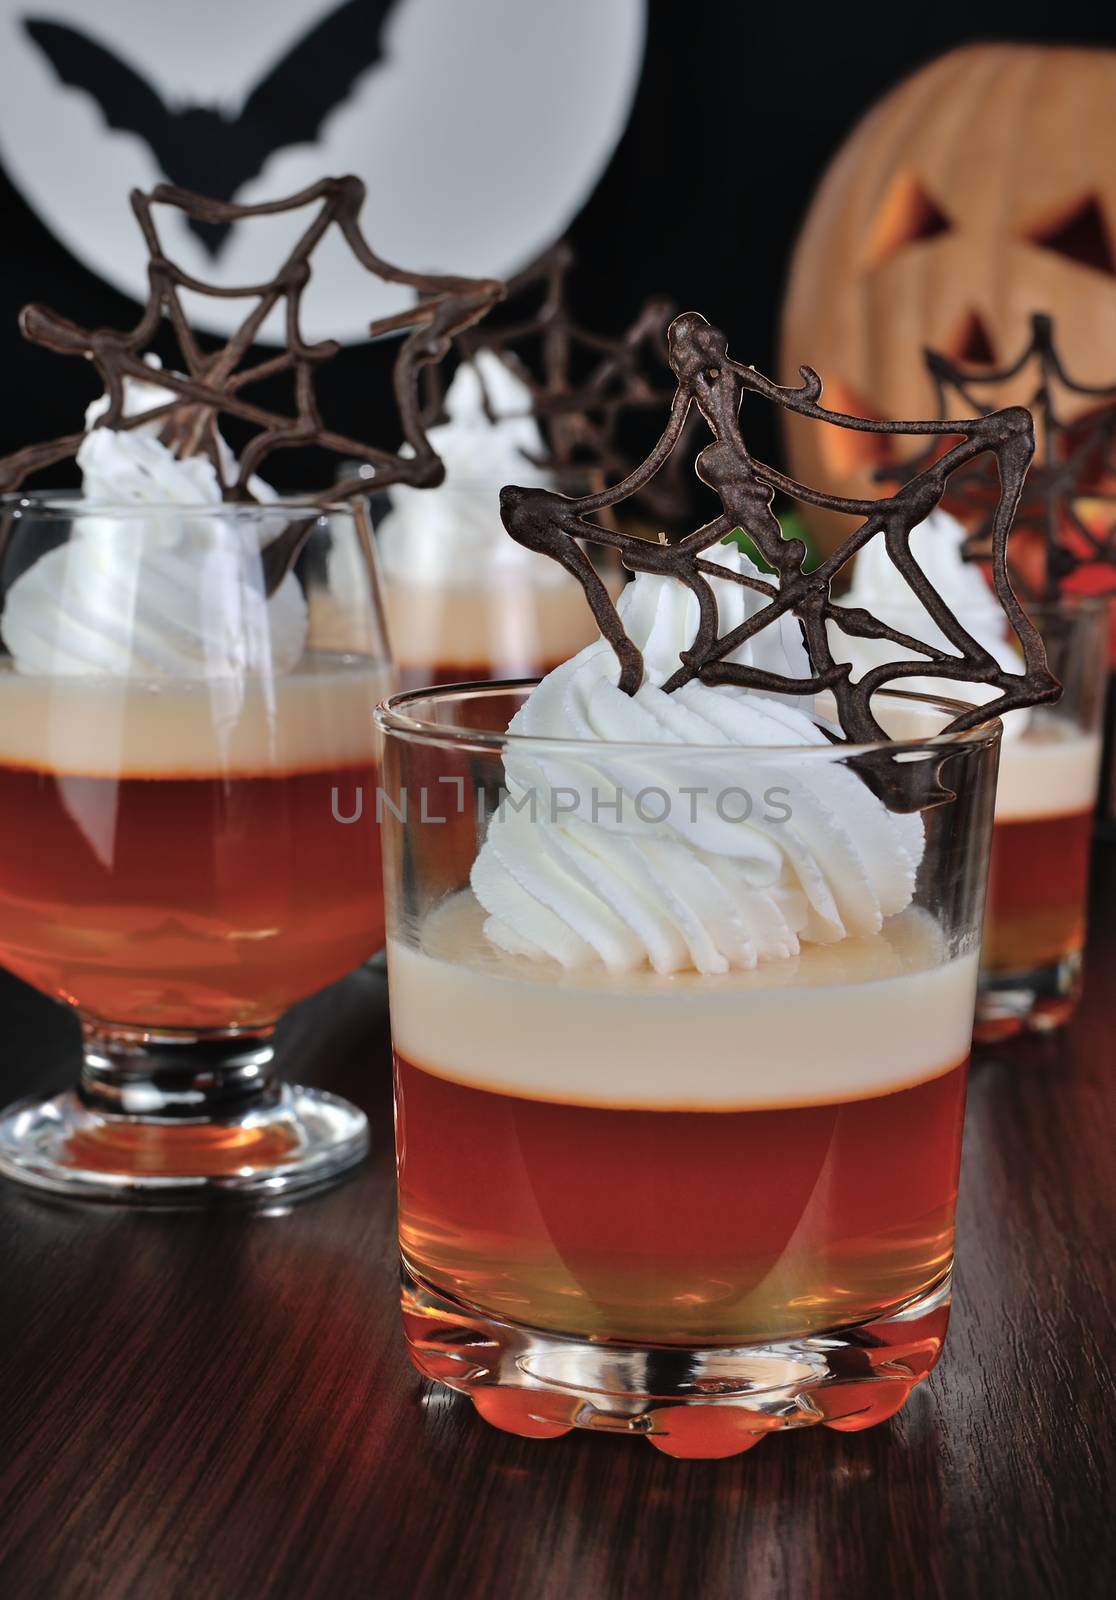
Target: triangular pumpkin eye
(972,343)
(1080,233)
(908,215)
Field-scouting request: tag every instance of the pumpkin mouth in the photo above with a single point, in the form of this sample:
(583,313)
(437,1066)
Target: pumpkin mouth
(1078,231)
(972,344)
(846,453)
(908,215)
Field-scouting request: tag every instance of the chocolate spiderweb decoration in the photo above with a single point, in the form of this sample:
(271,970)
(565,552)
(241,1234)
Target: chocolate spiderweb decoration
(1076,460)
(710,381)
(216,382)
(583,385)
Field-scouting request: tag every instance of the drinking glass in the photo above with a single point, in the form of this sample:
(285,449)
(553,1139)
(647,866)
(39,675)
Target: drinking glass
(1038,884)
(695,1208)
(466,604)
(186,738)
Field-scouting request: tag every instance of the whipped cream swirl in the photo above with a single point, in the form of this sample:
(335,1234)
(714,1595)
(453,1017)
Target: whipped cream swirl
(154,593)
(453,534)
(938,546)
(574,869)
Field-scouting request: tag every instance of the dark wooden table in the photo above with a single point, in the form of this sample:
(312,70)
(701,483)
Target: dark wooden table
(219,1405)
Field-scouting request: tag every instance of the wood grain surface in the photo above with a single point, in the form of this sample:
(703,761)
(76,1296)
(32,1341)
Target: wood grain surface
(219,1405)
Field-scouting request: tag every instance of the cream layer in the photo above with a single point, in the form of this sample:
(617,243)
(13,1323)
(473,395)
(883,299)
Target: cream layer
(319,715)
(1051,771)
(840,1022)
(503,622)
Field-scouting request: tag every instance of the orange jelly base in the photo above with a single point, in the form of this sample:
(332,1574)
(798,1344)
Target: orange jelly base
(187,902)
(1037,892)
(677,1227)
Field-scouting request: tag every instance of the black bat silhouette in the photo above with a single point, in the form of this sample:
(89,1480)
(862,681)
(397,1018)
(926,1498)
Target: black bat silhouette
(202,149)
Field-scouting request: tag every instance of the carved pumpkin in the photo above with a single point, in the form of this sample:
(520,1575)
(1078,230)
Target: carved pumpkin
(979,191)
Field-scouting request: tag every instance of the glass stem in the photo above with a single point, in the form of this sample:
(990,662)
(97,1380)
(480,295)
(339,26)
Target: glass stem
(176,1076)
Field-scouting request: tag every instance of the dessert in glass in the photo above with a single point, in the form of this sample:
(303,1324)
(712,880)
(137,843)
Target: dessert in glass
(183,746)
(681,1014)
(465,604)
(1038,879)
(1034,929)
(188,756)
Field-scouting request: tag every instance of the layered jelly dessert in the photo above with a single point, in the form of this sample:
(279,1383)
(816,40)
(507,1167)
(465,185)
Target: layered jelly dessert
(464,603)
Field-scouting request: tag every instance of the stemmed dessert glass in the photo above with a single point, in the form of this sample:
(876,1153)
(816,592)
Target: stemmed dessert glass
(698,1207)
(188,765)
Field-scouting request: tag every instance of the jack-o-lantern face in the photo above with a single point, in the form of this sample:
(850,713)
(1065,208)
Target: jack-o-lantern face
(978,192)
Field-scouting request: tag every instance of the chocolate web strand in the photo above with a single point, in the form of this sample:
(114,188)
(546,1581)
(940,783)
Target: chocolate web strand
(214,382)
(1070,453)
(582,384)
(710,382)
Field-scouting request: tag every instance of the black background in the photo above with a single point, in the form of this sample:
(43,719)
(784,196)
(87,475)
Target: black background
(740,107)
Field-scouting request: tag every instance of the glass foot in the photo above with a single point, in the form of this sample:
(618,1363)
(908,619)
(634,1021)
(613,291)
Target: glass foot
(291,1139)
(1040,1001)
(686,1402)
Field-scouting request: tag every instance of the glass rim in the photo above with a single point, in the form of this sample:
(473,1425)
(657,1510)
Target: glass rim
(392,718)
(64,504)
